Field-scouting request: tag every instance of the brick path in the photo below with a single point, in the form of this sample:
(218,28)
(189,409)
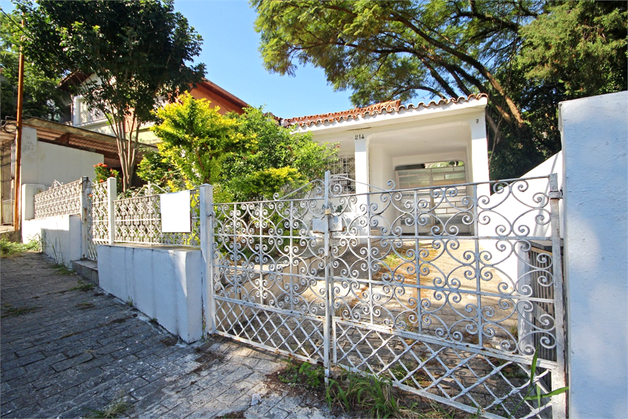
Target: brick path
(66,353)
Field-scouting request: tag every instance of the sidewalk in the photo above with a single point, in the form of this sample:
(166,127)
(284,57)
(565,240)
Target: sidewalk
(67,353)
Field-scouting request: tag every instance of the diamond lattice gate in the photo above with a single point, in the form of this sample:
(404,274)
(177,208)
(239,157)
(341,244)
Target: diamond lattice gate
(447,291)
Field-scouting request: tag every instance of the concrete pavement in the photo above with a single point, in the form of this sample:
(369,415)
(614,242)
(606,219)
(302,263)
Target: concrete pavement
(69,352)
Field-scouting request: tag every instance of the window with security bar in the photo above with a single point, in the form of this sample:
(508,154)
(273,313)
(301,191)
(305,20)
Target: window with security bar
(444,207)
(344,167)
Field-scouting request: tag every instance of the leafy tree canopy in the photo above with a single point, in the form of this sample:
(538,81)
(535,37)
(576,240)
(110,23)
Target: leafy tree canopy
(279,158)
(136,52)
(42,98)
(245,157)
(197,138)
(513,50)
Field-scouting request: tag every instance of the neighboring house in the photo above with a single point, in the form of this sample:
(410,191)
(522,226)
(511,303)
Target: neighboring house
(50,151)
(82,117)
(434,144)
(68,150)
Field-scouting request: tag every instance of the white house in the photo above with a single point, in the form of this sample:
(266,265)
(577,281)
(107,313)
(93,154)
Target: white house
(435,144)
(403,142)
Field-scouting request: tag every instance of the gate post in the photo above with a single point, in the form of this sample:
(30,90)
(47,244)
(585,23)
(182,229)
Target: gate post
(84,218)
(206,193)
(329,286)
(559,402)
(111,210)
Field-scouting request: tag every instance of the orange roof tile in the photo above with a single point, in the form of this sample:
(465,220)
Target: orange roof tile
(375,109)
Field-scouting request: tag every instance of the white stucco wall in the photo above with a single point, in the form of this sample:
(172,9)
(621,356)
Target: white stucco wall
(163,283)
(42,163)
(595,135)
(61,237)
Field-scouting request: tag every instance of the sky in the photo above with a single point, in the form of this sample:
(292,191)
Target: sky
(231,54)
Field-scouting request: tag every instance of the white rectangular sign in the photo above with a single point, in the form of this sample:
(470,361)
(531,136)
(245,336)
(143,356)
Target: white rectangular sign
(175,212)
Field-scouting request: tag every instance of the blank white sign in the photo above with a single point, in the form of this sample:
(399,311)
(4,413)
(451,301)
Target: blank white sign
(175,212)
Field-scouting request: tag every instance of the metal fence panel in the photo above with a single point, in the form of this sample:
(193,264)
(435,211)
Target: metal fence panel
(419,286)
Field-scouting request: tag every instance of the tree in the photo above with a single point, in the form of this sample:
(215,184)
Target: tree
(42,98)
(278,159)
(396,49)
(197,139)
(245,157)
(134,51)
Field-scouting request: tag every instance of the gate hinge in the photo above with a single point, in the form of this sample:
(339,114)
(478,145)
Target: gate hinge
(556,194)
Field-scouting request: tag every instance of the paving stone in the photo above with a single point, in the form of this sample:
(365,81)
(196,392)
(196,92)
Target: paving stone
(64,359)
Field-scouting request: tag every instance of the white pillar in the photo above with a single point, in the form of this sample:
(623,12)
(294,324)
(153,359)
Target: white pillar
(206,193)
(76,110)
(111,197)
(479,149)
(361,163)
(595,150)
(477,162)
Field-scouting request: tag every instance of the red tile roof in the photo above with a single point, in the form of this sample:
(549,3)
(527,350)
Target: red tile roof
(376,109)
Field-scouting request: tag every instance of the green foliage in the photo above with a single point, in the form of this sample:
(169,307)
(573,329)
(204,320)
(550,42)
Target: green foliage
(580,45)
(83,286)
(245,157)
(526,55)
(534,387)
(157,167)
(9,248)
(135,52)
(312,376)
(118,407)
(8,310)
(197,138)
(42,98)
(358,392)
(102,172)
(63,270)
(278,158)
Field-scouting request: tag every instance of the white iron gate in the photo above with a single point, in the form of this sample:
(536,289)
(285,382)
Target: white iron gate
(444,295)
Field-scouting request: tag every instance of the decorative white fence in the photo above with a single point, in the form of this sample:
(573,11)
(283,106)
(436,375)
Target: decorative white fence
(59,199)
(138,219)
(106,220)
(437,289)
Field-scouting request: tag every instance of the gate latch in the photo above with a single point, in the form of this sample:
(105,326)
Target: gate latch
(323,225)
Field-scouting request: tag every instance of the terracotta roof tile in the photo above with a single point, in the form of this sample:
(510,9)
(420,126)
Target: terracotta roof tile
(375,109)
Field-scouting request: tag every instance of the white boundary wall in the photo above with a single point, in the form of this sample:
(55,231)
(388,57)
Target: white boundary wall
(61,236)
(595,135)
(164,283)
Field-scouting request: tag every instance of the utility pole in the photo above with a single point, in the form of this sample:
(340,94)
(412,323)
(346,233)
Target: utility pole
(18,142)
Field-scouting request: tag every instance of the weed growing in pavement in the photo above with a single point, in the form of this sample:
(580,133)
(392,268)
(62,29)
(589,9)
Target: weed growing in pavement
(116,408)
(83,286)
(62,269)
(312,376)
(9,310)
(533,386)
(9,248)
(363,395)
(357,392)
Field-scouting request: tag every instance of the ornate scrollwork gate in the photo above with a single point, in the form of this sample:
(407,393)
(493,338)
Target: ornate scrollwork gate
(447,296)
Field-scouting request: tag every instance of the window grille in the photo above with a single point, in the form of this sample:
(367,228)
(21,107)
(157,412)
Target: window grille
(344,167)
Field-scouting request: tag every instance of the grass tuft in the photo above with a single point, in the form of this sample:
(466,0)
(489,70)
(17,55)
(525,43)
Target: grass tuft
(9,310)
(62,269)
(83,286)
(9,249)
(116,408)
